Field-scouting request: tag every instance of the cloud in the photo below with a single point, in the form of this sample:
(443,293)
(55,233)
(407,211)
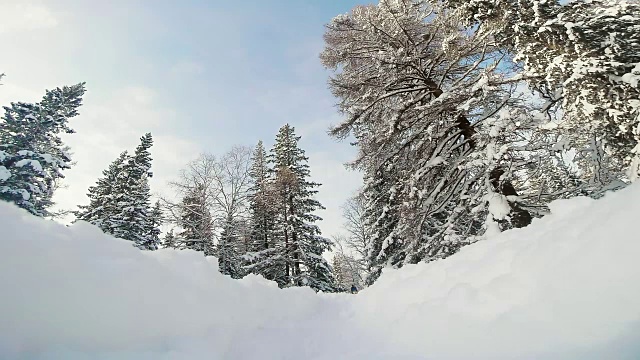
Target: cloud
(19,15)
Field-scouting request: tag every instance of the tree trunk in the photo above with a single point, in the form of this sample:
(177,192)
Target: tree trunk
(519,216)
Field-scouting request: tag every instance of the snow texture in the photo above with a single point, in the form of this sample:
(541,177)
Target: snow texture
(35,164)
(4,173)
(565,287)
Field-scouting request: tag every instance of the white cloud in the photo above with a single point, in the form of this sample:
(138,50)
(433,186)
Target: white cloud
(19,15)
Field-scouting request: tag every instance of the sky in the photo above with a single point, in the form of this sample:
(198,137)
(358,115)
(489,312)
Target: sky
(200,75)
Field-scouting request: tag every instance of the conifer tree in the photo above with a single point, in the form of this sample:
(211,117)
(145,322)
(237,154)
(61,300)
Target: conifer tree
(261,257)
(169,241)
(228,250)
(32,154)
(156,220)
(103,206)
(196,222)
(261,200)
(300,242)
(133,197)
(120,202)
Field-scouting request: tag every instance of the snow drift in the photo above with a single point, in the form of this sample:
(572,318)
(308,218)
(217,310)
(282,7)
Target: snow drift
(567,287)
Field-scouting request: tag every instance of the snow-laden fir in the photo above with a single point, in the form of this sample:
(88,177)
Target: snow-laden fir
(565,287)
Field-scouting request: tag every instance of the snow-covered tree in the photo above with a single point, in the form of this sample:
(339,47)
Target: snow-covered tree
(103,206)
(169,240)
(192,211)
(133,197)
(261,199)
(231,184)
(583,57)
(32,154)
(264,254)
(230,249)
(195,220)
(433,108)
(298,244)
(347,272)
(120,202)
(359,232)
(156,219)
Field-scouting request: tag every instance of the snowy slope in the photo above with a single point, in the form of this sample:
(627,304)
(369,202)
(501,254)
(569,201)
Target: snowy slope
(567,287)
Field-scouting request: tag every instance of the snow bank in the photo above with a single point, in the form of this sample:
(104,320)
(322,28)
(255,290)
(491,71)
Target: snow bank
(567,287)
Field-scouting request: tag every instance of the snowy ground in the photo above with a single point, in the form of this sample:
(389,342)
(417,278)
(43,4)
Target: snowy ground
(567,287)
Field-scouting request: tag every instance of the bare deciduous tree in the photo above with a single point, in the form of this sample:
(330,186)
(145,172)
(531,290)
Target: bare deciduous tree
(192,212)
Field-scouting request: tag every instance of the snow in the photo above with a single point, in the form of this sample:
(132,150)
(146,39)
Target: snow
(48,158)
(4,173)
(438,160)
(565,287)
(35,164)
(632,78)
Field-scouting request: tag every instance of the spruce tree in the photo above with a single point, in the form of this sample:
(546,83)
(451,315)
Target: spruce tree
(260,200)
(32,154)
(300,239)
(120,202)
(261,256)
(196,222)
(153,231)
(133,197)
(228,251)
(103,205)
(169,241)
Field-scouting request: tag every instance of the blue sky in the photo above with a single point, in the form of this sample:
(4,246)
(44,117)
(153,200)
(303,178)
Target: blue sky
(200,75)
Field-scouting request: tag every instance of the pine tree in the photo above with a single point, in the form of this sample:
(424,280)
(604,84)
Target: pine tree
(133,197)
(32,154)
(260,199)
(156,220)
(103,205)
(120,201)
(169,241)
(196,222)
(301,243)
(228,250)
(261,256)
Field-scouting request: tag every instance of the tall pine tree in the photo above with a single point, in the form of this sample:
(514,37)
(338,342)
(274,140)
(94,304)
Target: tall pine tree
(261,200)
(263,256)
(301,243)
(196,221)
(133,197)
(120,202)
(103,206)
(32,154)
